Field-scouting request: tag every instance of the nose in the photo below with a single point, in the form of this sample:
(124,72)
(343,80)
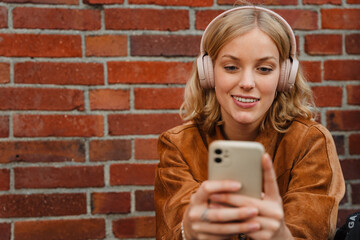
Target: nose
(247,80)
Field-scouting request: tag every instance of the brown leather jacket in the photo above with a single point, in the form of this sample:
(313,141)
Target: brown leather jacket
(308,173)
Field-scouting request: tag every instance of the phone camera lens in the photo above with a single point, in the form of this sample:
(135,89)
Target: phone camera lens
(218,151)
(218,160)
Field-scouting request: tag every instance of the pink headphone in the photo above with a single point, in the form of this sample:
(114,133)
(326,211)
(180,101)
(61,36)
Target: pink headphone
(289,67)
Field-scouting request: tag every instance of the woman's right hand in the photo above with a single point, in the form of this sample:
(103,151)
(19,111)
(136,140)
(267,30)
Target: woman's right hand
(204,220)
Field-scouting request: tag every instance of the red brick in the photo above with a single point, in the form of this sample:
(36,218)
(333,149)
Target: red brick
(354,144)
(312,70)
(191,3)
(355,193)
(267,2)
(5,229)
(343,214)
(56,18)
(341,70)
(59,177)
(41,99)
(323,44)
(40,205)
(353,1)
(109,99)
(346,120)
(158,98)
(353,94)
(321,2)
(80,229)
(204,17)
(42,151)
(106,45)
(149,72)
(327,96)
(58,125)
(103,1)
(135,124)
(59,73)
(137,227)
(40,45)
(300,19)
(4,72)
(350,168)
(352,43)
(3,17)
(68,2)
(340,18)
(144,200)
(110,202)
(4,127)
(146,149)
(132,174)
(108,150)
(339,143)
(4,180)
(160,45)
(146,19)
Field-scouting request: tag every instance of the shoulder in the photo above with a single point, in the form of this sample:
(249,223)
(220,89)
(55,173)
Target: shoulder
(187,132)
(307,128)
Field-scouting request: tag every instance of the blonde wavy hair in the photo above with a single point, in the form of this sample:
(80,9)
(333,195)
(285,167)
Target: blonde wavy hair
(201,106)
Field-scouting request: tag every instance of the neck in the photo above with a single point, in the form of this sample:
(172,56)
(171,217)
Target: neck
(240,132)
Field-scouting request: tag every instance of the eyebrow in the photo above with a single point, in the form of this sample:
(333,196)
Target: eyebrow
(237,59)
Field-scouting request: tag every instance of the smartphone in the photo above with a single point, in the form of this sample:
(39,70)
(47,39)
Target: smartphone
(239,161)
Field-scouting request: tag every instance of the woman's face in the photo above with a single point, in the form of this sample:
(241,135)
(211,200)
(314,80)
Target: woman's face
(246,72)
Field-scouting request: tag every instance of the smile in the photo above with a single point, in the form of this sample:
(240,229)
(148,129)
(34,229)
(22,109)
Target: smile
(246,100)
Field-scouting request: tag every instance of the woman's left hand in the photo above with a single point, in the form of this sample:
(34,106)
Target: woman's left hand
(271,214)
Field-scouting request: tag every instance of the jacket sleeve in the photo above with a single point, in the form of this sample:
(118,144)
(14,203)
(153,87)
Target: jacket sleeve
(315,188)
(174,185)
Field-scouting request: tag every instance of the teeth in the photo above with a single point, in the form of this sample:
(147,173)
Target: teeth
(245,100)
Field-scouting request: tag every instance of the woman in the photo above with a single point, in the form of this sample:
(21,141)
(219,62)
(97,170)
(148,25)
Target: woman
(247,86)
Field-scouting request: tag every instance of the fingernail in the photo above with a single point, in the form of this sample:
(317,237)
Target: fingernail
(252,211)
(254,226)
(236,184)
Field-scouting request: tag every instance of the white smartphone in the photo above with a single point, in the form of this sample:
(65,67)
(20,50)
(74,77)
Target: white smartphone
(239,161)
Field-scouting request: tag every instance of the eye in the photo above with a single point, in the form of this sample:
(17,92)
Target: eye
(265,70)
(230,68)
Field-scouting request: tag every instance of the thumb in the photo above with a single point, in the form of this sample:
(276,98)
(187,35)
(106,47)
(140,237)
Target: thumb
(270,185)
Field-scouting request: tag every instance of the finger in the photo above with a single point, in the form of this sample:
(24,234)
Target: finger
(270,184)
(210,187)
(231,214)
(225,229)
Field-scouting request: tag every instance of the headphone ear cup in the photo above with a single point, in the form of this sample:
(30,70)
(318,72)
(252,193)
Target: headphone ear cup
(209,72)
(284,76)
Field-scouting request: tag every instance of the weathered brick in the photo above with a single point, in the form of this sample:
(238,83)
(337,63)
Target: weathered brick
(326,96)
(354,144)
(323,44)
(3,17)
(267,2)
(350,168)
(204,17)
(80,229)
(300,19)
(341,70)
(340,18)
(132,174)
(346,120)
(41,99)
(42,151)
(59,177)
(352,43)
(135,124)
(110,202)
(4,72)
(103,1)
(353,1)
(149,72)
(339,143)
(355,193)
(144,200)
(4,180)
(40,45)
(146,19)
(5,229)
(69,2)
(353,94)
(191,3)
(109,99)
(59,73)
(56,18)
(41,205)
(66,125)
(312,70)
(106,45)
(158,98)
(136,227)
(321,2)
(4,127)
(160,45)
(110,150)
(146,149)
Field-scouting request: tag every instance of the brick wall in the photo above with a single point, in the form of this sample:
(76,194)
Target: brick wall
(87,86)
